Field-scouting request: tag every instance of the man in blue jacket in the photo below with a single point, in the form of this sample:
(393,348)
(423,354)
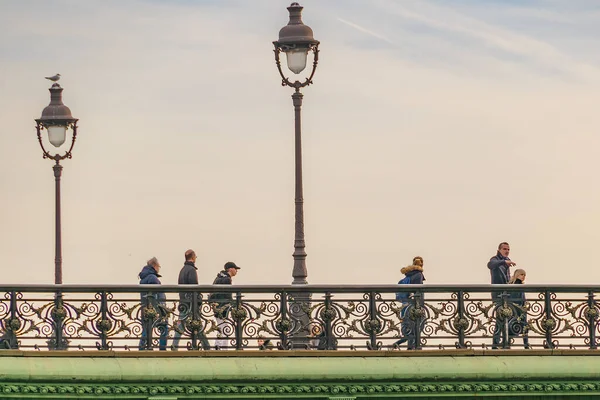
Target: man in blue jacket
(158,300)
(499,267)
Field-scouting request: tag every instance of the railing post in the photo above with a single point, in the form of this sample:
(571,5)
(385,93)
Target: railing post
(460,322)
(328,316)
(239,314)
(149,315)
(548,323)
(283,324)
(417,316)
(592,316)
(58,316)
(13,324)
(373,324)
(190,320)
(104,324)
(506,313)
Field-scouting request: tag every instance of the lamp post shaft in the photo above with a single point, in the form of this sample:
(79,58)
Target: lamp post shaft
(299,272)
(57,224)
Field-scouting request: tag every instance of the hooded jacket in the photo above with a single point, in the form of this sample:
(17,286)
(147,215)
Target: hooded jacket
(149,276)
(223,300)
(415,273)
(222,278)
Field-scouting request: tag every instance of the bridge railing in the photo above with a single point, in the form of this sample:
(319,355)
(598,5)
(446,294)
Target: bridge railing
(318,317)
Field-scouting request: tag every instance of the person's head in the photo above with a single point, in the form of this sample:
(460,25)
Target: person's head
(190,255)
(153,262)
(519,274)
(418,261)
(504,249)
(231,268)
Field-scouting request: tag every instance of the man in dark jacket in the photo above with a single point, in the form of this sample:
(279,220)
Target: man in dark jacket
(499,267)
(157,300)
(188,276)
(222,301)
(500,264)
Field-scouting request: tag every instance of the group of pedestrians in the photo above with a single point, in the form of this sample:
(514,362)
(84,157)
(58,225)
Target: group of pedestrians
(499,266)
(188,275)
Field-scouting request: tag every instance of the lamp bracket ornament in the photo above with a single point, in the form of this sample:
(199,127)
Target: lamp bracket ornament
(285,81)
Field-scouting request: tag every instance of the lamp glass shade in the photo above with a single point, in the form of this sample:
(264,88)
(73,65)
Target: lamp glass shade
(57,135)
(296,60)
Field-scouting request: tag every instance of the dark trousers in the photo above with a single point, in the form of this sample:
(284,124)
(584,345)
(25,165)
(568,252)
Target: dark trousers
(163,329)
(515,326)
(408,329)
(180,327)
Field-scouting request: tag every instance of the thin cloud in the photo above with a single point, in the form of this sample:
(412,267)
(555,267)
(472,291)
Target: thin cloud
(365,30)
(449,20)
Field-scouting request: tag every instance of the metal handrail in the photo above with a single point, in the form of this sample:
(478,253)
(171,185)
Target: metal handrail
(426,288)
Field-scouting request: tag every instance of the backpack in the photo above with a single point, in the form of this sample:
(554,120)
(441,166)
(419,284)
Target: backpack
(403,296)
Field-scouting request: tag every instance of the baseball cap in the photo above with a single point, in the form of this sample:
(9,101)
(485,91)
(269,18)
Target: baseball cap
(230,264)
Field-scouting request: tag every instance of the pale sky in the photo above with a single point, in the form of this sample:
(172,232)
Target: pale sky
(433,128)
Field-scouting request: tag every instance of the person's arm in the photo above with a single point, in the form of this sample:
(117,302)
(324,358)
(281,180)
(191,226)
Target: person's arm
(418,279)
(496,263)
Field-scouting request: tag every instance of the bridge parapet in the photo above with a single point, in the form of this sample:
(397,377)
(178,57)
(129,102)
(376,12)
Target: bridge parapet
(284,318)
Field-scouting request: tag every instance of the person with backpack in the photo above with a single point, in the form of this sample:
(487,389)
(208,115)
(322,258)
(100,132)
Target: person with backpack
(413,275)
(221,302)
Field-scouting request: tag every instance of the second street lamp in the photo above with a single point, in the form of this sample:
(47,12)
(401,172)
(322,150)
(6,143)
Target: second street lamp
(57,120)
(296,41)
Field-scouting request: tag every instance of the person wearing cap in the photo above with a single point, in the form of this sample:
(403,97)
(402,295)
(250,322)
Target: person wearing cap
(222,301)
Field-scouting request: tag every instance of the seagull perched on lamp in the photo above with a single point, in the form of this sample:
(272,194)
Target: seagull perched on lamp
(54,78)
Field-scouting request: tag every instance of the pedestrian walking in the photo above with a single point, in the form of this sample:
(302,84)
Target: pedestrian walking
(413,275)
(222,302)
(156,300)
(188,275)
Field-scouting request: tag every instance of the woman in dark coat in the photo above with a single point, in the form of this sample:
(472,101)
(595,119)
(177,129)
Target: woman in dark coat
(518,325)
(413,275)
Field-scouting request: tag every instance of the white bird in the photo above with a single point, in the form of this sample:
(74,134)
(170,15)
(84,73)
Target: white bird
(54,78)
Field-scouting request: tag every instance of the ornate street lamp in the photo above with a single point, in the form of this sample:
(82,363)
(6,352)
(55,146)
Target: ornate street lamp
(56,121)
(296,41)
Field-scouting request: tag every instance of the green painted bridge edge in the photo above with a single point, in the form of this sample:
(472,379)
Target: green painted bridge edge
(305,370)
(321,391)
(430,377)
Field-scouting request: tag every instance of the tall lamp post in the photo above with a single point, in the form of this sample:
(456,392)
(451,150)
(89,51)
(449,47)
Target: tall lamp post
(296,40)
(55,121)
